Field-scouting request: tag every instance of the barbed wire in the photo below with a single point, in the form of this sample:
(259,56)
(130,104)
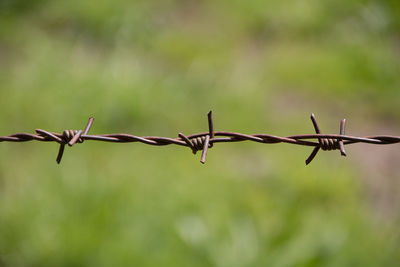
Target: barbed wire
(206,140)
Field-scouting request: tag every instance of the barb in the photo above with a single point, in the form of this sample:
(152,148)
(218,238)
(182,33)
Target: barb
(206,140)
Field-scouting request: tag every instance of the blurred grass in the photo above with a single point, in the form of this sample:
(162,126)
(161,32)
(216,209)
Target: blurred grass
(156,68)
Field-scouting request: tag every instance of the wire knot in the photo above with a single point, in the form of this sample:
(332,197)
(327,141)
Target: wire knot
(327,144)
(203,142)
(68,136)
(198,143)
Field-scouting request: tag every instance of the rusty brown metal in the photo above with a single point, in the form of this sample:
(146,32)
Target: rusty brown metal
(206,140)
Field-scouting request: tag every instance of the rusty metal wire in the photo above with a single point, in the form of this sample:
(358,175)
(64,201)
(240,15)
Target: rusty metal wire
(204,141)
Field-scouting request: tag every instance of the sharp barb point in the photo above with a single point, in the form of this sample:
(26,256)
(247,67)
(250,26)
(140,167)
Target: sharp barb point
(205,149)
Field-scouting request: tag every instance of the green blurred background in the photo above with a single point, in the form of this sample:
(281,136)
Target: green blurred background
(156,68)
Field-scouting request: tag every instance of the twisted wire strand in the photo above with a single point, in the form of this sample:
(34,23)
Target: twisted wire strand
(205,140)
